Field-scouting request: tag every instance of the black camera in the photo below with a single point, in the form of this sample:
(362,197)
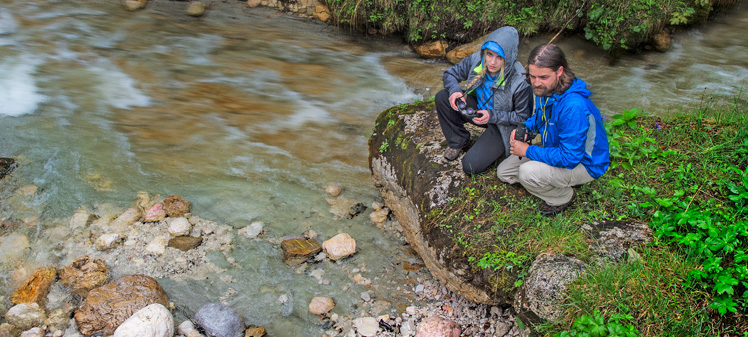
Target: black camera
(465,110)
(522,131)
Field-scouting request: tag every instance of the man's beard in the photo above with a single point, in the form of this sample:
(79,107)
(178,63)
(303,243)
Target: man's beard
(543,91)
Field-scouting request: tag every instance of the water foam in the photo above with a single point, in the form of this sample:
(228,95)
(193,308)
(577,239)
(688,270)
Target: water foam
(117,88)
(18,90)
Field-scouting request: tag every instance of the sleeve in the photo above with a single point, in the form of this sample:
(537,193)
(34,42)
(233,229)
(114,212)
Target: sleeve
(571,131)
(521,107)
(456,74)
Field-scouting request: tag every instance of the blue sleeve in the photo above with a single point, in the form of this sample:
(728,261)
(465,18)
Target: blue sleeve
(571,129)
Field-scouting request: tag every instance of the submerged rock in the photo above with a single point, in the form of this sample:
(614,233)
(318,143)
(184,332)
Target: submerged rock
(106,307)
(84,274)
(35,289)
(7,165)
(298,250)
(321,305)
(219,320)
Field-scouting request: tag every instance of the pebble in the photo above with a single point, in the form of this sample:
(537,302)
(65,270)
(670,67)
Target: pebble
(365,296)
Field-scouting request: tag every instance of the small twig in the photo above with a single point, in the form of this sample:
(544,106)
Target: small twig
(694,197)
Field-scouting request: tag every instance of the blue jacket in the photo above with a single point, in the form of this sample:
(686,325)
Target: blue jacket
(573,132)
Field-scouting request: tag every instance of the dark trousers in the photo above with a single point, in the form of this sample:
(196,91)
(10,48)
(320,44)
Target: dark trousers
(487,149)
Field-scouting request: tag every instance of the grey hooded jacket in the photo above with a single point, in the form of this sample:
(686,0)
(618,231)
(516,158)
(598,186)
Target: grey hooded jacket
(512,102)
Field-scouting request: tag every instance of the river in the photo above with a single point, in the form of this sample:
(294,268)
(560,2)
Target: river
(250,114)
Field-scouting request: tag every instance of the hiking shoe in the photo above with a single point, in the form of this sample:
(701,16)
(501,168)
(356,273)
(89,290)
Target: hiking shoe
(451,154)
(549,210)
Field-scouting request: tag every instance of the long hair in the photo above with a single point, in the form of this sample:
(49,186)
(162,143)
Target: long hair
(552,57)
(484,70)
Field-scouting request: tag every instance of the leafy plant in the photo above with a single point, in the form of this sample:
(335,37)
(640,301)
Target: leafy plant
(597,326)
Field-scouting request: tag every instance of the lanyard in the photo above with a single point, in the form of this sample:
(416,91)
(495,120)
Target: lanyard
(488,97)
(545,120)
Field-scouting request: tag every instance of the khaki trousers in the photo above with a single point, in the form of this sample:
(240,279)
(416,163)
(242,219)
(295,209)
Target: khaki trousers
(552,184)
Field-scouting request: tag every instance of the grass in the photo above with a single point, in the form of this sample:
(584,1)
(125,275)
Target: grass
(685,175)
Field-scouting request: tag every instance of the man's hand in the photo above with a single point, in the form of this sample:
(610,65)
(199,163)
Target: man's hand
(516,147)
(483,119)
(453,97)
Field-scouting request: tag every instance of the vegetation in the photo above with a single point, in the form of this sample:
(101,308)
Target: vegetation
(686,176)
(614,25)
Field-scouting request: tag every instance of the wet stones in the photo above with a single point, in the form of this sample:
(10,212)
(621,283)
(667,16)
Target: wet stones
(125,219)
(366,326)
(339,246)
(436,326)
(196,9)
(25,315)
(108,306)
(219,320)
(333,190)
(155,213)
(35,289)
(185,243)
(298,250)
(13,248)
(84,274)
(180,227)
(152,321)
(321,305)
(7,165)
(175,206)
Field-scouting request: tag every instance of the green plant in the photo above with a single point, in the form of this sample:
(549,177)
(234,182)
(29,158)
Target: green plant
(384,146)
(596,326)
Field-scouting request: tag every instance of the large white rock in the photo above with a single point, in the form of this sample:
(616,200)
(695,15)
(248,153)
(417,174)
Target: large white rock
(180,227)
(26,315)
(152,321)
(253,230)
(366,326)
(339,246)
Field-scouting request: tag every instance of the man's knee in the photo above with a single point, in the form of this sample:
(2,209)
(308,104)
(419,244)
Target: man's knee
(533,174)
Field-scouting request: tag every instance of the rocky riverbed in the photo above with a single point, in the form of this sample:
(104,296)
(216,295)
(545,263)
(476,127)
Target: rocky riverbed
(101,257)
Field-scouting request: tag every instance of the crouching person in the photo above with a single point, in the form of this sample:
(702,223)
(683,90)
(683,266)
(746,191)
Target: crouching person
(573,147)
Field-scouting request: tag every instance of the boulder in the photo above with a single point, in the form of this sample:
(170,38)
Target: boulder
(35,289)
(175,206)
(84,274)
(321,305)
(612,240)
(662,41)
(7,165)
(25,315)
(108,306)
(185,243)
(155,213)
(436,326)
(152,321)
(539,298)
(432,49)
(219,320)
(298,250)
(414,179)
(253,3)
(321,12)
(339,246)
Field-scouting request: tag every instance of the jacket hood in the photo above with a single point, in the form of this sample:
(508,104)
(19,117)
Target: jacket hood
(508,39)
(577,87)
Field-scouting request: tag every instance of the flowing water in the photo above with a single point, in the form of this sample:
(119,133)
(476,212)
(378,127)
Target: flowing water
(249,114)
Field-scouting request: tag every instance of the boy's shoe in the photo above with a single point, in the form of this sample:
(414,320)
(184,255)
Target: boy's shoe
(451,154)
(549,210)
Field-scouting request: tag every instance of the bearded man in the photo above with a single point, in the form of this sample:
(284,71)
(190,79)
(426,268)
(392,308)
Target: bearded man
(573,147)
